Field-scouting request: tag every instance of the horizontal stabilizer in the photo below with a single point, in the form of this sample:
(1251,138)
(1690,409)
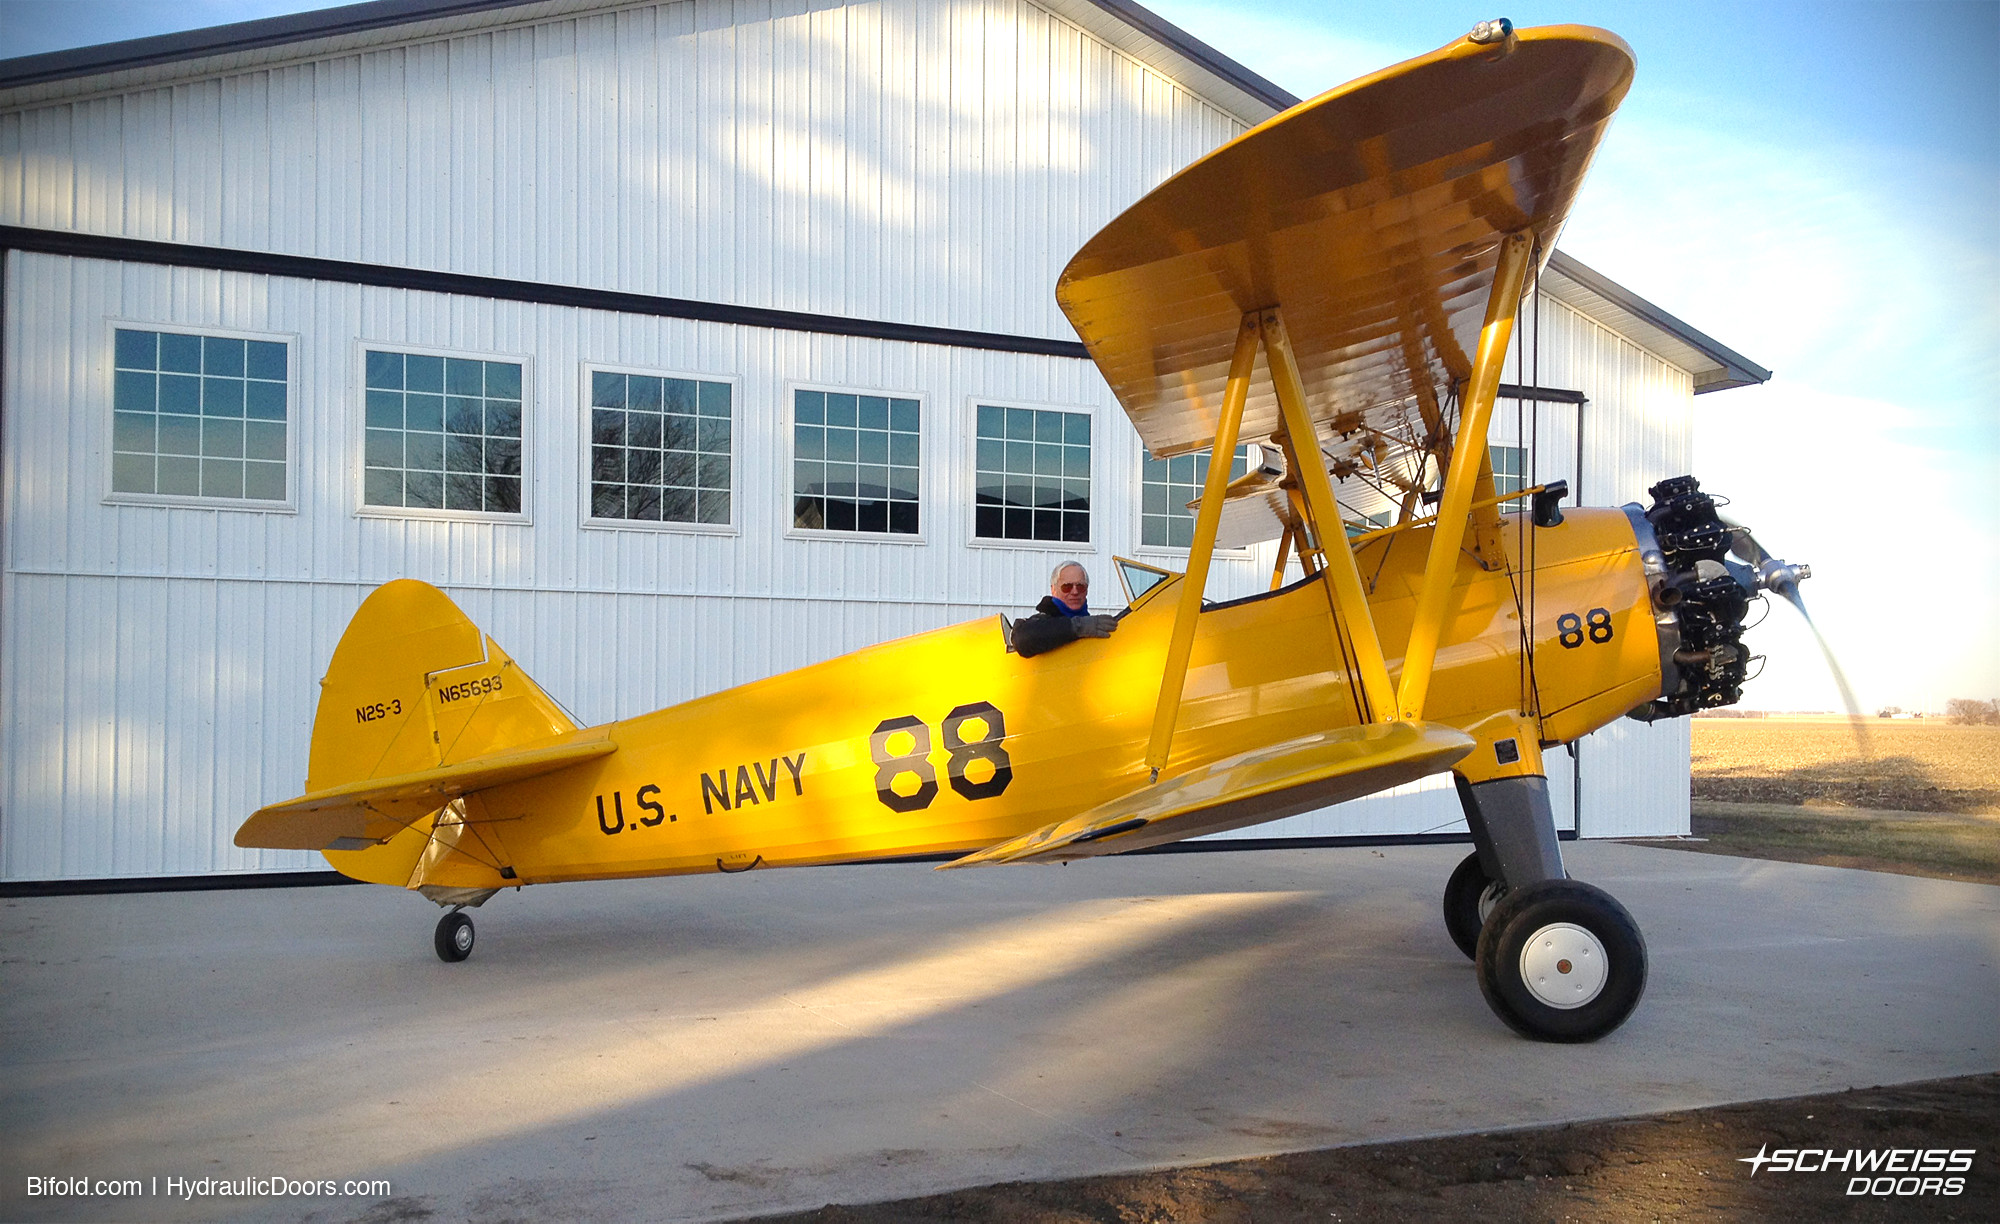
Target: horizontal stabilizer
(1267,784)
(373,810)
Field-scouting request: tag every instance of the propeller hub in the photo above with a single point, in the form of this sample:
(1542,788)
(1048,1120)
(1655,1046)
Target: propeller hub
(1776,575)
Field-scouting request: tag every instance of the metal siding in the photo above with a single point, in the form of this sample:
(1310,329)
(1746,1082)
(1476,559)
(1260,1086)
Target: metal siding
(931,162)
(160,660)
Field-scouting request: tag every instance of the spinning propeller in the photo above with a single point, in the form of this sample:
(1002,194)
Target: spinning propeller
(1768,573)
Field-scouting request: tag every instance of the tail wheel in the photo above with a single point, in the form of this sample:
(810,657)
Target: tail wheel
(454,937)
(1469,899)
(1561,961)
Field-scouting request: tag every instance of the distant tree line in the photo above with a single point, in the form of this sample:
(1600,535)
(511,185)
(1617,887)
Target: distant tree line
(1966,712)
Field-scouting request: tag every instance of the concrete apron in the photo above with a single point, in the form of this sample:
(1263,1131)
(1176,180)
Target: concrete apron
(730,1045)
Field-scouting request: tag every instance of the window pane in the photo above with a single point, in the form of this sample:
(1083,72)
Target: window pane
(1167,486)
(132,473)
(503,380)
(1022,473)
(222,397)
(221,439)
(458,451)
(265,359)
(134,392)
(424,373)
(181,354)
(137,432)
(424,490)
(182,393)
(264,440)
(647,463)
(182,432)
(137,350)
(180,435)
(264,400)
(221,478)
(265,481)
(463,377)
(222,357)
(385,370)
(180,477)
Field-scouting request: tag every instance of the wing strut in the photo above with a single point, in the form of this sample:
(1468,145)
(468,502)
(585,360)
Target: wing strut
(1173,675)
(1325,532)
(1468,459)
(1319,533)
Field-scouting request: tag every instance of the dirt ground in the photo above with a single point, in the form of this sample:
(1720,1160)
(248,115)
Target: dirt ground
(1921,798)
(1679,1166)
(1909,766)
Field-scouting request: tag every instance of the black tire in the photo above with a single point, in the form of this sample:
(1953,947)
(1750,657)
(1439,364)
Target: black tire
(454,937)
(1470,896)
(1539,947)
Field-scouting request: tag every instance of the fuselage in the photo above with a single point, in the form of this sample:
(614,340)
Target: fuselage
(947,741)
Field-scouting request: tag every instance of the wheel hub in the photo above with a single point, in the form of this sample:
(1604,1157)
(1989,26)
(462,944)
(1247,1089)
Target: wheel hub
(1564,966)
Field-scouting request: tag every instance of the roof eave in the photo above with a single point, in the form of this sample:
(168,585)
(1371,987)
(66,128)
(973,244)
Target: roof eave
(1713,365)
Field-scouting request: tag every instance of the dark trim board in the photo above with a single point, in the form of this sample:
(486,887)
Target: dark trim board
(180,883)
(385,276)
(311,879)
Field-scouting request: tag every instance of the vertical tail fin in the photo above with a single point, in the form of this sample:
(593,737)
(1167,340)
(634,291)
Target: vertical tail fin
(415,685)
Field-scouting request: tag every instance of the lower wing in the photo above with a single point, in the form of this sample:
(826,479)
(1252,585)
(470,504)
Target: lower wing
(1267,784)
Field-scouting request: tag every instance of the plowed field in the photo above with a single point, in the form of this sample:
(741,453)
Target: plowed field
(1908,766)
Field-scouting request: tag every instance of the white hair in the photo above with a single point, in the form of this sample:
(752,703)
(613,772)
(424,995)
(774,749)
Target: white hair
(1056,574)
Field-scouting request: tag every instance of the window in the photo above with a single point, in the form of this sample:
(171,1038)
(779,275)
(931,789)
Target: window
(1033,472)
(443,433)
(1166,487)
(659,448)
(198,416)
(854,462)
(1510,466)
(1362,524)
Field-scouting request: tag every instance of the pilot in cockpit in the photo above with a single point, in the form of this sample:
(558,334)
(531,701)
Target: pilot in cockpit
(1064,616)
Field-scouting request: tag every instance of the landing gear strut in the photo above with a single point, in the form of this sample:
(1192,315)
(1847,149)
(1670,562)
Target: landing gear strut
(1558,960)
(454,936)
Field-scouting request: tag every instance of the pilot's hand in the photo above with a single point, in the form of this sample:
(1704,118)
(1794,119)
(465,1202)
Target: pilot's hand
(1095,626)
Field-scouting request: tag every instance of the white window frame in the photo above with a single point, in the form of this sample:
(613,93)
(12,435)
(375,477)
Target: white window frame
(107,419)
(589,521)
(357,433)
(926,481)
(970,469)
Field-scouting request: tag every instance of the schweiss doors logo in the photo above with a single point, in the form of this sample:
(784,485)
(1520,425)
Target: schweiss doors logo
(1876,1172)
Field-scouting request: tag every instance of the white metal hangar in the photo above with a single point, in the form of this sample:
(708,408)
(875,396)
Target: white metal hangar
(681,343)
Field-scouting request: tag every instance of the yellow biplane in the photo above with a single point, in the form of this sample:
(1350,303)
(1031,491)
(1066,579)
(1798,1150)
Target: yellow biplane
(1339,286)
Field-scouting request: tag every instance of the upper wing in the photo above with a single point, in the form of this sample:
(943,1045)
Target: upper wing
(374,809)
(1371,216)
(1281,780)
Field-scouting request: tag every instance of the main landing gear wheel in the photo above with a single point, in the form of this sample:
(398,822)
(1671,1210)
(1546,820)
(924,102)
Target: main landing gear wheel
(1561,961)
(1469,898)
(454,937)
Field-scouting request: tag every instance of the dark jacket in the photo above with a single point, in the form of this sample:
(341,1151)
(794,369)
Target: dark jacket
(1051,626)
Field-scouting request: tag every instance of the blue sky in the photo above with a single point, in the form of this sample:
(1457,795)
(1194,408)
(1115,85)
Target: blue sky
(1815,185)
